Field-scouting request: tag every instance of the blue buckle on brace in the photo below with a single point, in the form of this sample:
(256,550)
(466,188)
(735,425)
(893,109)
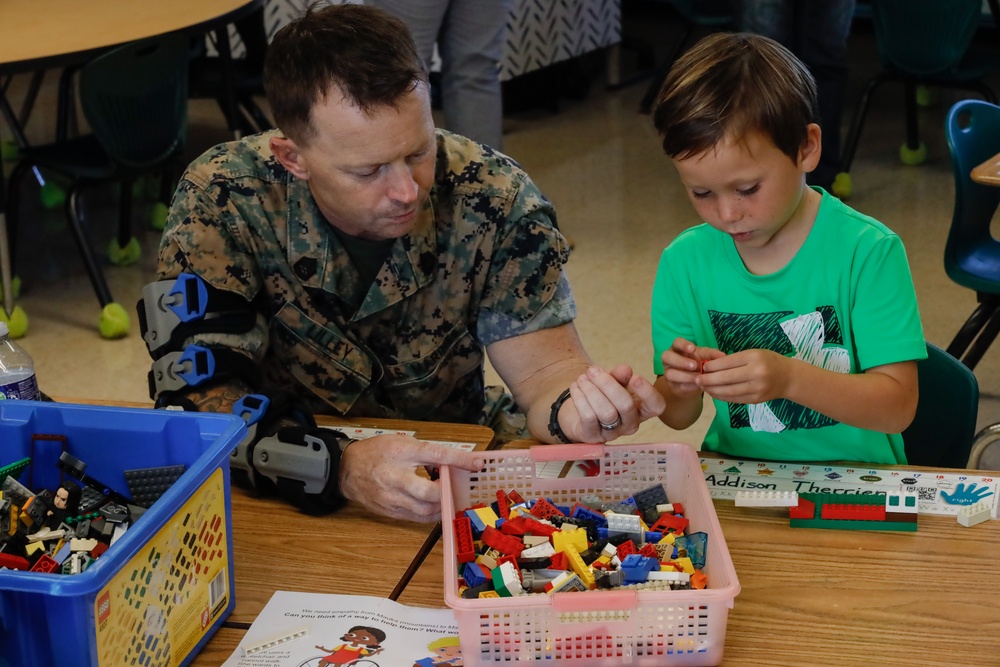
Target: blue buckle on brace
(201,362)
(251,408)
(193,300)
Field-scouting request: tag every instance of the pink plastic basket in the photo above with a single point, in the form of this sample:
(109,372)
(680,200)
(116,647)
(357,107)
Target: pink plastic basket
(594,628)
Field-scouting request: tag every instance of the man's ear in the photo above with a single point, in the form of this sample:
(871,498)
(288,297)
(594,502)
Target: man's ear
(811,148)
(288,154)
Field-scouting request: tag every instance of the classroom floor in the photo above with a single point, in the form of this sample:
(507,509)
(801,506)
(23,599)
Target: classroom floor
(617,198)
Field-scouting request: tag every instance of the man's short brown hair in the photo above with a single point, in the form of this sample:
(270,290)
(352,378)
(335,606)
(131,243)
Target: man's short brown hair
(731,85)
(365,52)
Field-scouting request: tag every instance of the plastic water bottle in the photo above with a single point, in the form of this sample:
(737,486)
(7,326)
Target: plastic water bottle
(17,370)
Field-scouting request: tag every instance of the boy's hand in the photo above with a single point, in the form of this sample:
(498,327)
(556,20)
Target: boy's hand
(683,363)
(751,376)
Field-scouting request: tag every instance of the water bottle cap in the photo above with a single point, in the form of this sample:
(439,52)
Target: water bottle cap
(4,330)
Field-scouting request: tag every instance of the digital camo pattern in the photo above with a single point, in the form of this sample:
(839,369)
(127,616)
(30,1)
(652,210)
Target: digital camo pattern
(483,263)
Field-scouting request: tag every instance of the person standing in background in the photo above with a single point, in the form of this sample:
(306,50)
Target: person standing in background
(816,31)
(469,35)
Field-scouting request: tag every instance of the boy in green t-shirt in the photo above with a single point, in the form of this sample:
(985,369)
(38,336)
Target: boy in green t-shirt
(795,313)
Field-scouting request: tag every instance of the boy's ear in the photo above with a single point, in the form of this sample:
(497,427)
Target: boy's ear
(289,155)
(811,148)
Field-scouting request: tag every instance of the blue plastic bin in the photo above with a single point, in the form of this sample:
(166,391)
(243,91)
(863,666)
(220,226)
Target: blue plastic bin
(160,592)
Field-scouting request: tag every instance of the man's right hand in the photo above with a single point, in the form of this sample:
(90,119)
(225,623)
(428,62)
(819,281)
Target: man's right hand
(381,474)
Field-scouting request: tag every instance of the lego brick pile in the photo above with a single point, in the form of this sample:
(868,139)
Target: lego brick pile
(64,530)
(518,547)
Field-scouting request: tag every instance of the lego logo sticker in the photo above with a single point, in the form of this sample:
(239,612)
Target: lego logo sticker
(103,608)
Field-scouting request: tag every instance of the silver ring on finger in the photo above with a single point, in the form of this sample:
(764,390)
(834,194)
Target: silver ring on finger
(613,425)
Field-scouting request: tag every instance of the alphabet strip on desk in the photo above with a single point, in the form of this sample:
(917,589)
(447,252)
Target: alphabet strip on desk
(937,492)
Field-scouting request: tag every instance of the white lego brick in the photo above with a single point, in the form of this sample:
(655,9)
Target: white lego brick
(973,514)
(905,502)
(257,647)
(767,499)
(543,550)
(679,577)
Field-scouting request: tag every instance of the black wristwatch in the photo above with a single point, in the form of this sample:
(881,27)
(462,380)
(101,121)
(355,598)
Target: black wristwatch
(555,430)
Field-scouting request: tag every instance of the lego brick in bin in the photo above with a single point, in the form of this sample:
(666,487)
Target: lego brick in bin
(147,484)
(159,593)
(598,628)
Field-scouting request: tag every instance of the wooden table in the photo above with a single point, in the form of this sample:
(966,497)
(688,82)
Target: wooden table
(40,33)
(353,552)
(832,597)
(988,173)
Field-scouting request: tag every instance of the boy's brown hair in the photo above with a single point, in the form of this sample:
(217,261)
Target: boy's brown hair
(732,84)
(366,52)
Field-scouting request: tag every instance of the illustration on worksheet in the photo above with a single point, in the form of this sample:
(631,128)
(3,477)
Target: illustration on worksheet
(359,642)
(316,630)
(447,653)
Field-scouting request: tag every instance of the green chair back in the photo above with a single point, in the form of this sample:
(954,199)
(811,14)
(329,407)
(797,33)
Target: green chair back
(924,37)
(135,99)
(944,428)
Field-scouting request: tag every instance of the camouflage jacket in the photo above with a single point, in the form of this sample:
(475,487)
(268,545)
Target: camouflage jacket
(484,262)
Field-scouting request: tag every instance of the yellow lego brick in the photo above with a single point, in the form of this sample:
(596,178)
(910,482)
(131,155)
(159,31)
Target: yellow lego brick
(487,516)
(668,538)
(563,538)
(685,564)
(581,569)
(489,594)
(32,547)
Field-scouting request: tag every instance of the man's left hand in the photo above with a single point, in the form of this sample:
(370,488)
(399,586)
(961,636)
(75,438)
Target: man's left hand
(609,404)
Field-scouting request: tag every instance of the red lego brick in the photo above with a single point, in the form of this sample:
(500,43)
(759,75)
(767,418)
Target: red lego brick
(465,548)
(505,544)
(668,523)
(45,563)
(853,512)
(503,505)
(649,550)
(543,509)
(533,527)
(516,526)
(559,561)
(626,548)
(806,509)
(515,497)
(12,562)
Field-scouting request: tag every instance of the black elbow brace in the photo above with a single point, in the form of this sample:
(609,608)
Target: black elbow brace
(300,462)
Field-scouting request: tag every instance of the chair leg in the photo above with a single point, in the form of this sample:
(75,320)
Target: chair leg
(910,104)
(125,212)
(14,210)
(74,214)
(988,305)
(649,98)
(854,134)
(983,341)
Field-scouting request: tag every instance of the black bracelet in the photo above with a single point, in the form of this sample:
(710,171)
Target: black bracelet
(554,428)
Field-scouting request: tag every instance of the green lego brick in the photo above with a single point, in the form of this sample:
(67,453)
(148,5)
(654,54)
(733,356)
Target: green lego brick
(14,469)
(844,524)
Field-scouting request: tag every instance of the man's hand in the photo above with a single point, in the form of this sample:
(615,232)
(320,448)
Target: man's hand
(381,474)
(601,399)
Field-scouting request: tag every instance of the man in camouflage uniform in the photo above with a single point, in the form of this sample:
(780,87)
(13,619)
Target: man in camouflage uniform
(384,259)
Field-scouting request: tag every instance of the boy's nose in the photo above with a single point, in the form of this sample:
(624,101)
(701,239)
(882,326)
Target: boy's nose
(730,211)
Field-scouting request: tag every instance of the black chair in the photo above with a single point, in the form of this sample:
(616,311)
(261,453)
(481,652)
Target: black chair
(921,43)
(233,91)
(944,428)
(710,15)
(134,98)
(972,254)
